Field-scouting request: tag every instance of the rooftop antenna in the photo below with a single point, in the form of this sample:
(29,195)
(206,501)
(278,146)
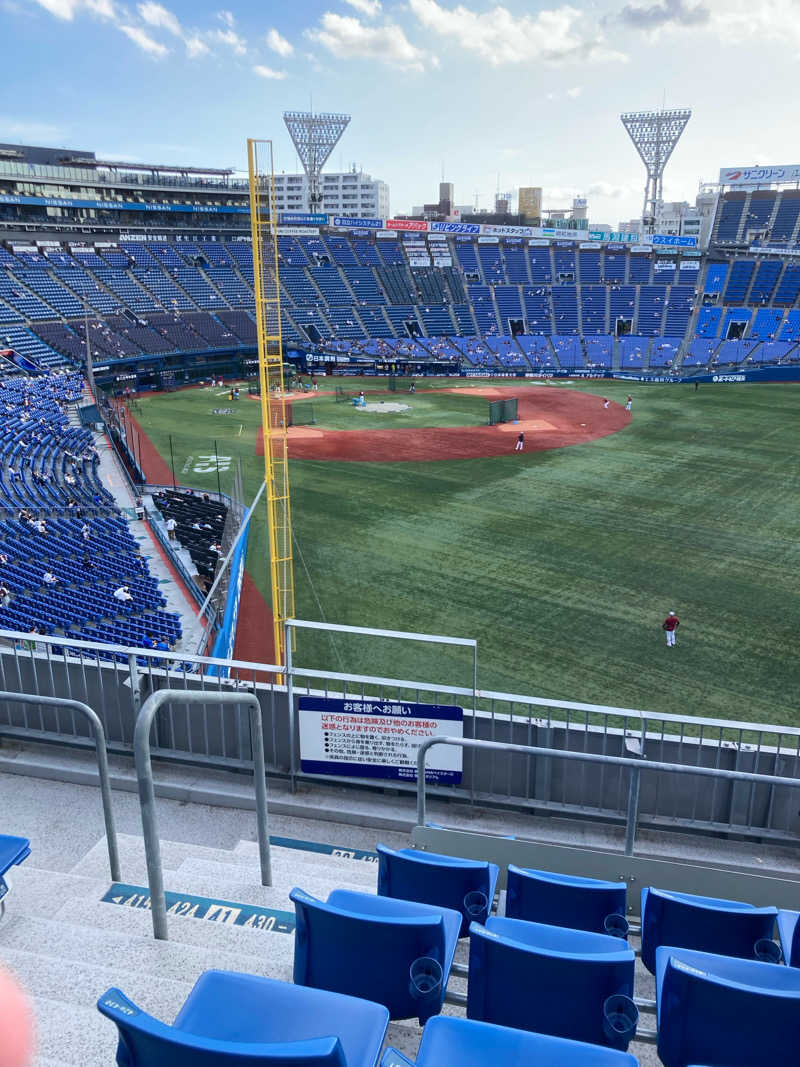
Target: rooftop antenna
(654,135)
(314,138)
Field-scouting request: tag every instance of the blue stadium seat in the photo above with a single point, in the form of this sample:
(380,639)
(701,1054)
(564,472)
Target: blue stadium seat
(789,934)
(449,1042)
(705,924)
(725,1012)
(240,1020)
(568,983)
(396,952)
(463,885)
(13,850)
(565,900)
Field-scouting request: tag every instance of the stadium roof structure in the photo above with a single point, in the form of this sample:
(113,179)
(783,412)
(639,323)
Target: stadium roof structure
(654,134)
(314,137)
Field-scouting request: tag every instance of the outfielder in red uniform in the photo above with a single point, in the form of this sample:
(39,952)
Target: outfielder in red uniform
(670,625)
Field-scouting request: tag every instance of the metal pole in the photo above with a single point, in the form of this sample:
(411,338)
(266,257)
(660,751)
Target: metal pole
(172,460)
(147,794)
(89,364)
(216,457)
(102,762)
(287,640)
(633,810)
(232,549)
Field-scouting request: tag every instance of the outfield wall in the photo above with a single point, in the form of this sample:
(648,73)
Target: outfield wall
(219,738)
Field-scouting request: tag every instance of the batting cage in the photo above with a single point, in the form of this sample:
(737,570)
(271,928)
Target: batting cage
(502,411)
(301,414)
(341,396)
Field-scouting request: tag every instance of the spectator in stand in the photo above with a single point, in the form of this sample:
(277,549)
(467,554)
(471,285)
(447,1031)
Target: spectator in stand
(148,642)
(5,596)
(161,645)
(49,578)
(123,594)
(88,565)
(171,524)
(85,532)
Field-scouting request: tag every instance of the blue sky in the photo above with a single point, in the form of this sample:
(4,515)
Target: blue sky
(532,92)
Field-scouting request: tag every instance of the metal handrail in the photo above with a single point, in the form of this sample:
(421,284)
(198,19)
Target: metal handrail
(147,794)
(102,762)
(636,767)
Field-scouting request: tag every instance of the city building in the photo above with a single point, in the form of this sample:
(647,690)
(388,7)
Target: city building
(70,190)
(680,218)
(530,201)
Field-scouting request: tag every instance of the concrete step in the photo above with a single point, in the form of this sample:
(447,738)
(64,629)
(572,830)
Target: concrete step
(262,946)
(72,1036)
(135,952)
(242,883)
(40,893)
(355,870)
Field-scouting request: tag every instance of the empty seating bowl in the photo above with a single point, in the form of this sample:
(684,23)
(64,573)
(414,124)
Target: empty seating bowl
(551,980)
(706,924)
(566,900)
(449,1042)
(722,1011)
(245,1021)
(466,886)
(396,952)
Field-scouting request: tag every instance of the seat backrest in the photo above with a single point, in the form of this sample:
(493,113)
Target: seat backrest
(724,1010)
(706,924)
(430,878)
(789,930)
(545,988)
(363,953)
(561,900)
(147,1042)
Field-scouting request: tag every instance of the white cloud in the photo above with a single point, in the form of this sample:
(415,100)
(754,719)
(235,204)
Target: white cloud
(278,43)
(156,15)
(32,132)
(67,9)
(227,18)
(370,8)
(144,41)
(196,46)
(347,37)
(610,191)
(503,38)
(268,72)
(575,92)
(231,38)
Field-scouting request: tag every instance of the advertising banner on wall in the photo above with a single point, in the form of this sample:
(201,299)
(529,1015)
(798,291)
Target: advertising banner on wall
(455,227)
(298,218)
(406,224)
(371,738)
(298,231)
(361,224)
(674,240)
(771,250)
(786,172)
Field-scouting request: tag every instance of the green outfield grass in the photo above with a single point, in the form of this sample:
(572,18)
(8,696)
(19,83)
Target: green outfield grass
(562,564)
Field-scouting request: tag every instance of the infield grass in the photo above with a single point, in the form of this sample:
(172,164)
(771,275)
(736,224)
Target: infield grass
(563,564)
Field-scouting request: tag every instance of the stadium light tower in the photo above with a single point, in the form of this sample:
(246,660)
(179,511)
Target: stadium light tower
(314,137)
(655,134)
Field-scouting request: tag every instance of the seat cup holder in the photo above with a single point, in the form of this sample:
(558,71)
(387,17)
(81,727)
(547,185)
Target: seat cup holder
(620,1017)
(616,926)
(767,951)
(425,979)
(476,906)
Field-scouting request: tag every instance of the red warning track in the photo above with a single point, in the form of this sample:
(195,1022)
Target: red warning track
(549,417)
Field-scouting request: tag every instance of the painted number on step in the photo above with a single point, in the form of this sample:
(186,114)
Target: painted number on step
(219,913)
(261,922)
(184,907)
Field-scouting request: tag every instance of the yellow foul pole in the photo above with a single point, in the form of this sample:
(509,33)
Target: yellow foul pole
(264,230)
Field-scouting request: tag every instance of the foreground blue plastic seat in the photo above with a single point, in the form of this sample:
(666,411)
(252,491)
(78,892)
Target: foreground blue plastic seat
(396,952)
(789,934)
(566,900)
(705,924)
(240,1020)
(568,983)
(449,1042)
(445,881)
(13,850)
(722,1011)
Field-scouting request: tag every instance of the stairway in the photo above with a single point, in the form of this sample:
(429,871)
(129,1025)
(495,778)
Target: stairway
(67,945)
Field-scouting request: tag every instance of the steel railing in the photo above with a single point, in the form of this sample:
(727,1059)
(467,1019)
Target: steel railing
(102,761)
(147,794)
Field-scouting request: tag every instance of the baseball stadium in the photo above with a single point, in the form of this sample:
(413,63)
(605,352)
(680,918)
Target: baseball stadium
(396,612)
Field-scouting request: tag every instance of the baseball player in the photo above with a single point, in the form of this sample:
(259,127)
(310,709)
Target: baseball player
(629,403)
(669,626)
(520,443)
(605,402)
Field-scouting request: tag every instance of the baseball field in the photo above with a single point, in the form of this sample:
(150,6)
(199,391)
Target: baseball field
(562,560)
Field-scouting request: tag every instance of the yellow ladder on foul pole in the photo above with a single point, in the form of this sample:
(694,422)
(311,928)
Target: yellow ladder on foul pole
(264,229)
